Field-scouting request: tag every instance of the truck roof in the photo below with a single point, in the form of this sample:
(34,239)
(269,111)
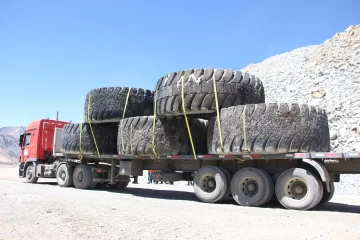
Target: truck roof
(35,124)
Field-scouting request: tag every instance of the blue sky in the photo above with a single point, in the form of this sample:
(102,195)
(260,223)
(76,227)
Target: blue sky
(53,52)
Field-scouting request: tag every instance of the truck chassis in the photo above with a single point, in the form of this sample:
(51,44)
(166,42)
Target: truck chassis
(288,177)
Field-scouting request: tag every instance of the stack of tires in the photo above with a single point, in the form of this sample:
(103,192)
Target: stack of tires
(122,119)
(126,121)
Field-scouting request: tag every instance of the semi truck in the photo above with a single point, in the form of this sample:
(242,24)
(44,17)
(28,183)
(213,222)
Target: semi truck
(304,177)
(209,126)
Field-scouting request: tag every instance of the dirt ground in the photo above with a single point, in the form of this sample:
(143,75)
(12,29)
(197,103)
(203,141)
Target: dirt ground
(150,211)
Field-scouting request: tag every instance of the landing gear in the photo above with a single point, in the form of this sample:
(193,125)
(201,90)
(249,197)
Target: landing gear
(30,174)
(119,185)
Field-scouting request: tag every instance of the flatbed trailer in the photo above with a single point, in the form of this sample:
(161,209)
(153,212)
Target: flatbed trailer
(116,170)
(297,180)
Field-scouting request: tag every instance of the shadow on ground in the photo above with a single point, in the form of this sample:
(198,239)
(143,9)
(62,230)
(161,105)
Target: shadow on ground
(190,196)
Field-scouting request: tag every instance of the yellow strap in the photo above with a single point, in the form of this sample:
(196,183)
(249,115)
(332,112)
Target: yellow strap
(92,132)
(244,129)
(131,129)
(152,145)
(217,113)
(80,151)
(184,110)
(121,127)
(219,122)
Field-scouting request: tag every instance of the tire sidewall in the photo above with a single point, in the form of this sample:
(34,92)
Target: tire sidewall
(259,197)
(221,184)
(312,187)
(87,176)
(33,178)
(68,175)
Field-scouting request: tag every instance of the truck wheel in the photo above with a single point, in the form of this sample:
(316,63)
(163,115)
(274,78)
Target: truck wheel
(171,136)
(233,88)
(327,196)
(298,189)
(210,184)
(30,174)
(251,187)
(82,176)
(107,104)
(227,195)
(64,176)
(270,128)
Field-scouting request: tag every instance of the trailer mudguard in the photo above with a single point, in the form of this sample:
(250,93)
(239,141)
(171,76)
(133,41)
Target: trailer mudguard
(320,168)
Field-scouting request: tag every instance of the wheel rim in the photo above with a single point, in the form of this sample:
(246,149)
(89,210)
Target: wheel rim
(62,175)
(295,188)
(29,173)
(207,183)
(80,176)
(249,186)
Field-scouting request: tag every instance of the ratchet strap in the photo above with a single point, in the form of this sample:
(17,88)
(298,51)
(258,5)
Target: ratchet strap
(219,122)
(244,129)
(217,113)
(184,110)
(80,150)
(152,145)
(131,129)
(121,122)
(92,132)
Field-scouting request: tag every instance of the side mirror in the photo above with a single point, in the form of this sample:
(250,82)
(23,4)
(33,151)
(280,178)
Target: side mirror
(21,140)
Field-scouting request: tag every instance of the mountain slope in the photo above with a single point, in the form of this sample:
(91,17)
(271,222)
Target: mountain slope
(325,75)
(9,149)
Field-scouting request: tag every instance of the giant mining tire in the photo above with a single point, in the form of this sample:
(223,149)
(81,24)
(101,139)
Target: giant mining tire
(233,88)
(105,135)
(171,136)
(107,104)
(270,128)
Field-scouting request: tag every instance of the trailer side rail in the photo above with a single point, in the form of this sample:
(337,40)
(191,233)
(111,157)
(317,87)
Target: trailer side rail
(245,156)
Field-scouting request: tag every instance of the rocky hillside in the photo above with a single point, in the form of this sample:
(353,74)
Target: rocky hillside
(9,149)
(325,75)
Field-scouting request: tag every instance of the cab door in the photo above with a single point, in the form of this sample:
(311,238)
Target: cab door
(28,147)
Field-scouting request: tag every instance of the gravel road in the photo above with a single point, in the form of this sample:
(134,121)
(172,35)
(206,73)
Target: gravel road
(142,211)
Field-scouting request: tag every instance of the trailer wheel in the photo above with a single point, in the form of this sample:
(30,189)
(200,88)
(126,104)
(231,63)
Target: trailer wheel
(82,176)
(327,196)
(30,174)
(210,184)
(298,189)
(252,187)
(64,176)
(227,195)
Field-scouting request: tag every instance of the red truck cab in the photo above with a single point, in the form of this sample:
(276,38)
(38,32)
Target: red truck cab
(37,143)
